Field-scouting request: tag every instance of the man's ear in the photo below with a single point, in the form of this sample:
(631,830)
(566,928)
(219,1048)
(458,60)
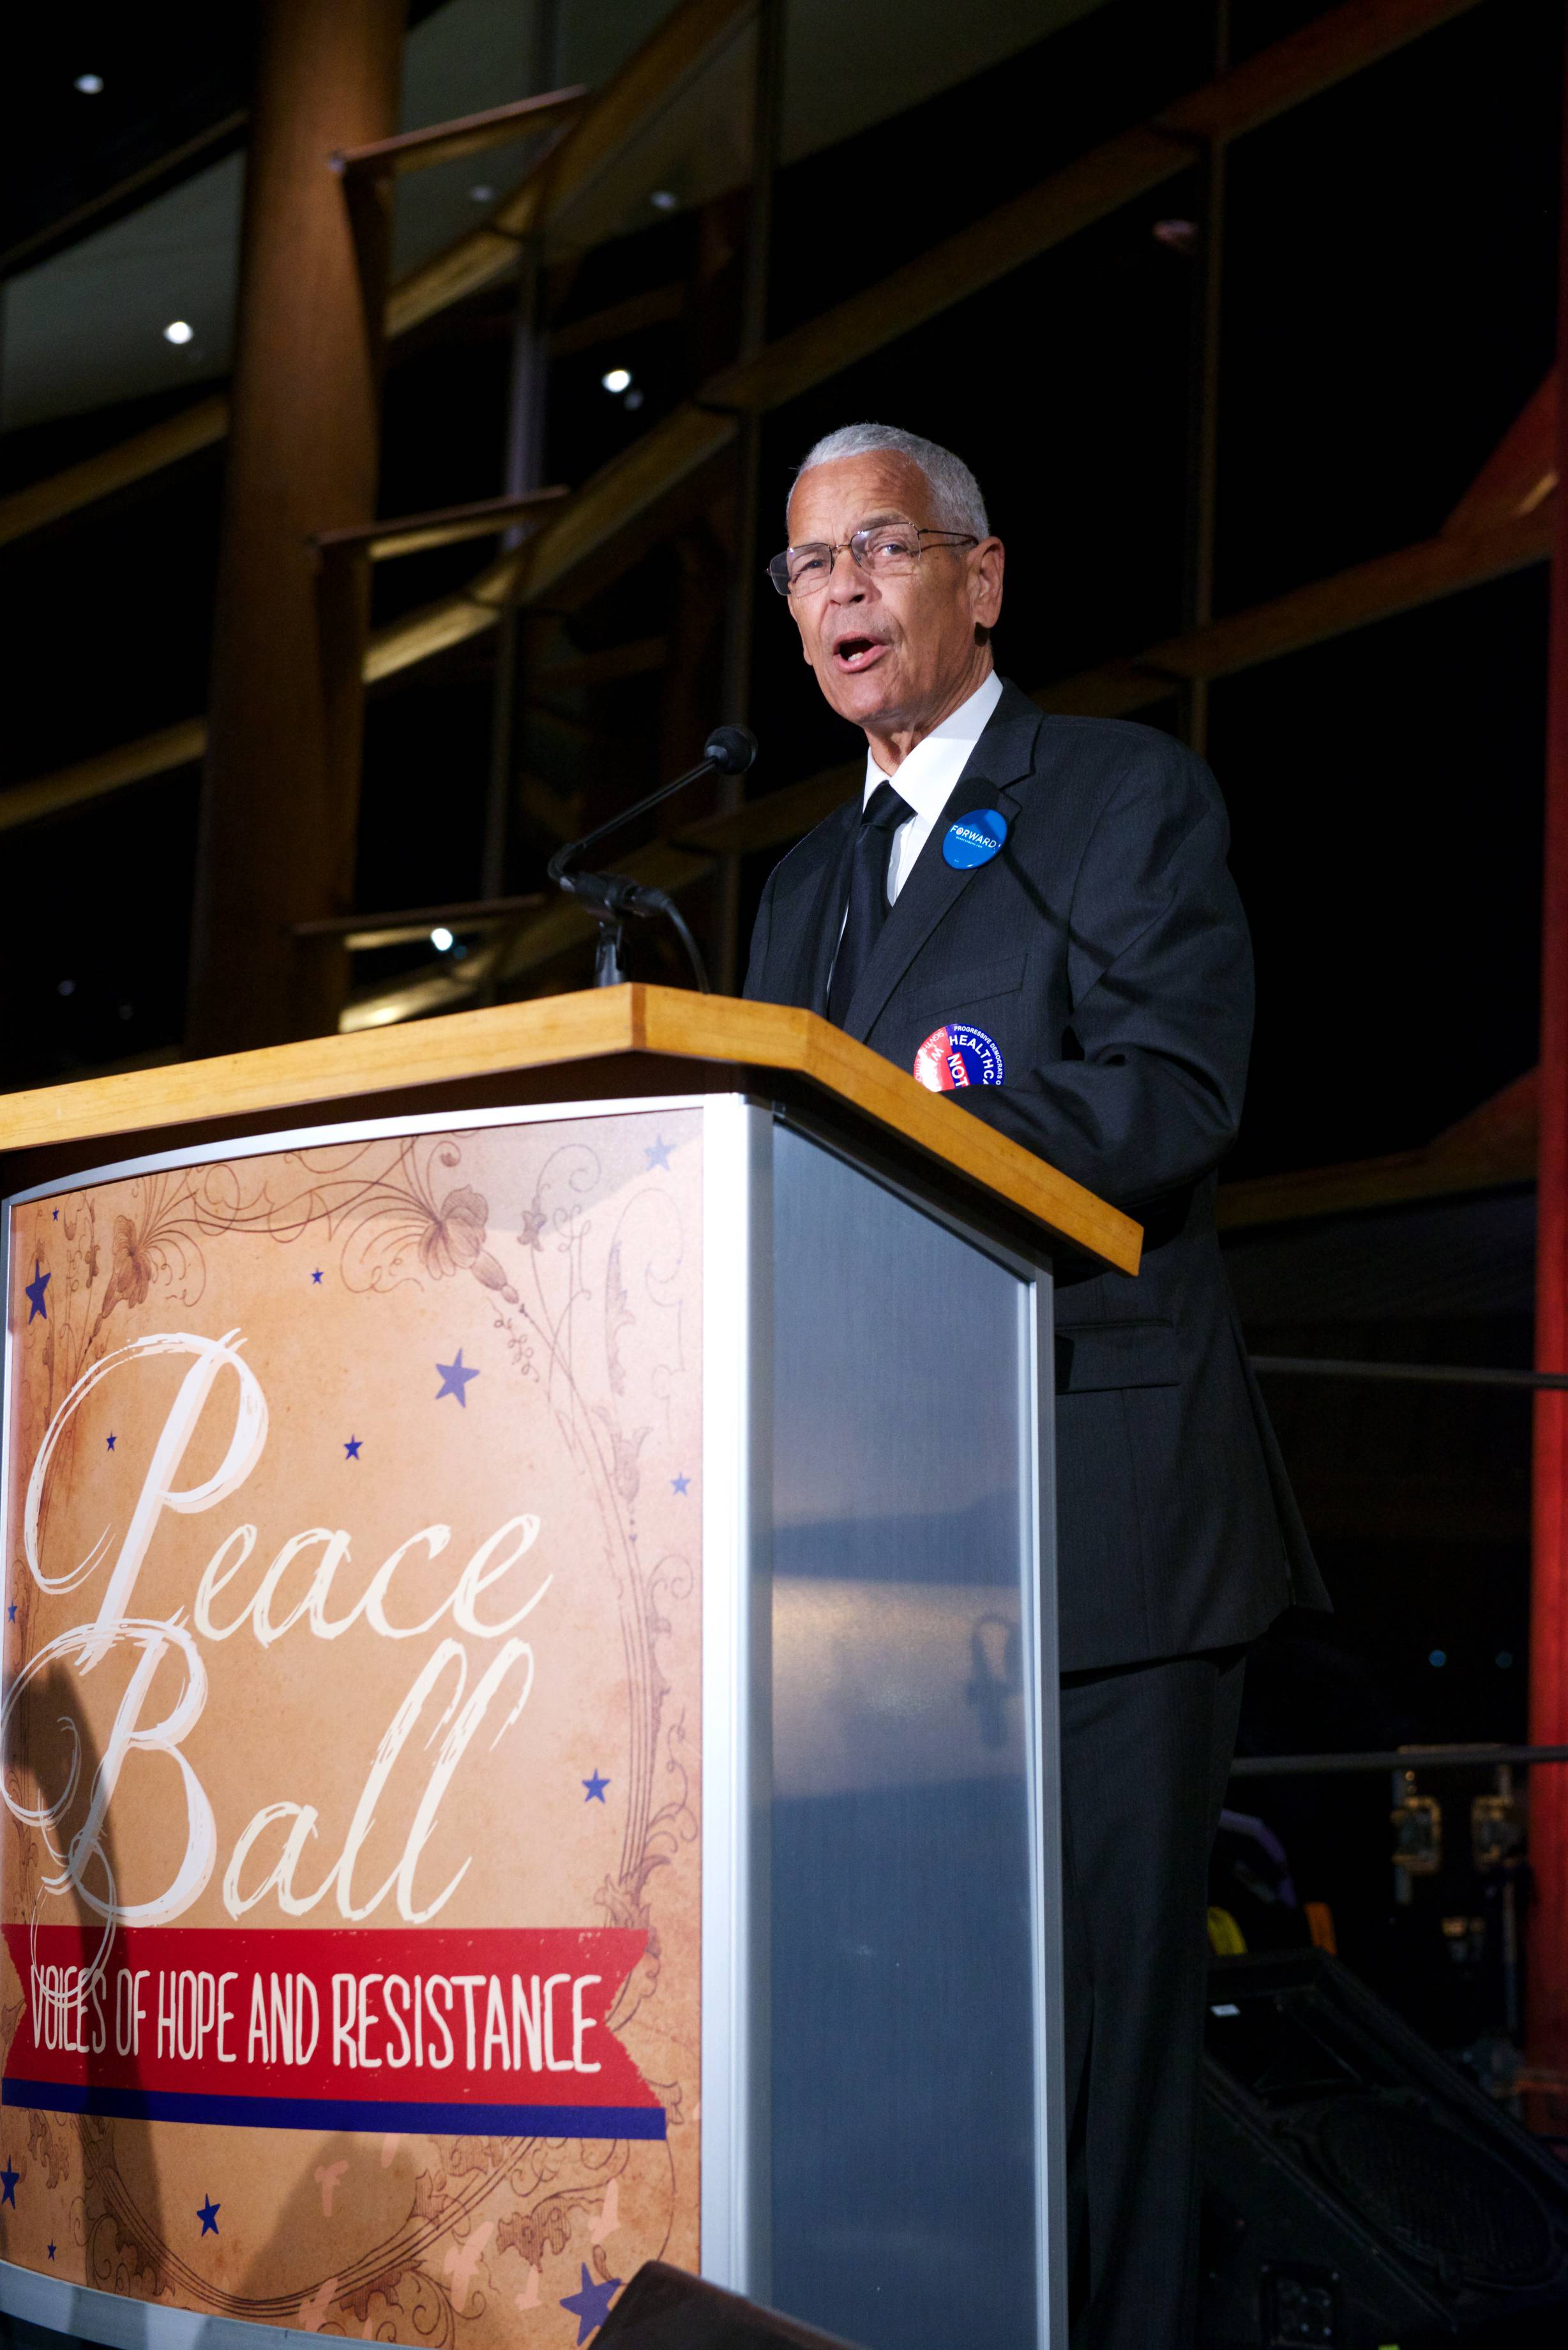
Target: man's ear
(987,564)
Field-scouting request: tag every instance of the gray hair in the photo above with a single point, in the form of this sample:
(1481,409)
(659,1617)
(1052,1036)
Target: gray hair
(956,501)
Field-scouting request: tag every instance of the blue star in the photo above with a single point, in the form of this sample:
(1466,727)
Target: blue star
(109,1442)
(590,2305)
(454,1378)
(351,1449)
(8,2178)
(51,2253)
(33,1292)
(317,1278)
(678,1484)
(208,2216)
(595,1787)
(11,1613)
(57,1215)
(656,1153)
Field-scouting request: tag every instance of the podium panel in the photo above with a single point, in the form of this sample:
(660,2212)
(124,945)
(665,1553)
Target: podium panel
(529,1681)
(909,1992)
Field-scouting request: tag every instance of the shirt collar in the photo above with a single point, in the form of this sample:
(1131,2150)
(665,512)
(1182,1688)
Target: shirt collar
(931,769)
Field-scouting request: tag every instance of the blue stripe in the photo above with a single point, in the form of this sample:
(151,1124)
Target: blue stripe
(338,2113)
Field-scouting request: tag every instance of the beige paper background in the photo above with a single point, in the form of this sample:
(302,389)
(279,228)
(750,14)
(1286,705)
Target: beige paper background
(564,1259)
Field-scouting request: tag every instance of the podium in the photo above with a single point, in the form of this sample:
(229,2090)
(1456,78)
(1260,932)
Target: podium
(529,1686)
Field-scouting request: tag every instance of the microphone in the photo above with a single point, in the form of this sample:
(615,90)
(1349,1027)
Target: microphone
(730,750)
(613,897)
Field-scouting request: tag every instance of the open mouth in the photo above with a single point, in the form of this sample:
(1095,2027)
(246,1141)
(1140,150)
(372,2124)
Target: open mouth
(854,653)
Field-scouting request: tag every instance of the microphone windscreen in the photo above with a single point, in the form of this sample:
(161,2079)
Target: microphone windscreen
(732,749)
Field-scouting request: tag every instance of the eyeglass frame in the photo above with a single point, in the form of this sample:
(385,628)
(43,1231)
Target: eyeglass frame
(958,537)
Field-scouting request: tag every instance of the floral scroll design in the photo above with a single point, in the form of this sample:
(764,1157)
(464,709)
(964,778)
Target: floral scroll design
(400,1211)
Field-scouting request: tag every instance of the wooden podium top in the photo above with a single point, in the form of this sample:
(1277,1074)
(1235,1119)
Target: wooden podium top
(594,1026)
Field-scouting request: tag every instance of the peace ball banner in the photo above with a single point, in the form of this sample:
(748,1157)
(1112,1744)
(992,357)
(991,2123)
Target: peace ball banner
(351,1728)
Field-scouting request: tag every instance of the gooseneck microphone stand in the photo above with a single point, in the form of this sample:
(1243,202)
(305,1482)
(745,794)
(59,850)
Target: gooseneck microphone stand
(613,897)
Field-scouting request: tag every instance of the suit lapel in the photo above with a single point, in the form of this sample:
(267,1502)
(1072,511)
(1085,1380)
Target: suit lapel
(1001,758)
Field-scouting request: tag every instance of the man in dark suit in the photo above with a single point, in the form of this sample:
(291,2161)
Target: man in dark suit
(1087,989)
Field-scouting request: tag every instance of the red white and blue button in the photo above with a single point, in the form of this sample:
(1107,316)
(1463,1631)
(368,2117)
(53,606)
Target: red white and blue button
(957,1055)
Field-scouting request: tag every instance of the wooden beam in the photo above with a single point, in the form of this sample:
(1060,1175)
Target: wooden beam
(646,84)
(362,933)
(1287,73)
(674,865)
(1329,50)
(109,771)
(655,308)
(1307,615)
(275,841)
(1494,1145)
(200,426)
(442,526)
(469,134)
(176,163)
(643,658)
(1521,471)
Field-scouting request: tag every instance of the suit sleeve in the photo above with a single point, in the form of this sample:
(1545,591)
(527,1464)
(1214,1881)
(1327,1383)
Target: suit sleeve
(1161,977)
(762,932)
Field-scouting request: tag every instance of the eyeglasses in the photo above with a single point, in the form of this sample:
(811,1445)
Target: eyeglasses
(884,550)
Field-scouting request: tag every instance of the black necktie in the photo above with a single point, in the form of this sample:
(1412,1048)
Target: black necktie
(868,909)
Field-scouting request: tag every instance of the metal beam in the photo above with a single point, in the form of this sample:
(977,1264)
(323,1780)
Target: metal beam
(469,134)
(441,527)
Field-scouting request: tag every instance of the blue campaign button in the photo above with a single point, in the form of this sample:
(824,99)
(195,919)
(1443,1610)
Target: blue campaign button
(973,839)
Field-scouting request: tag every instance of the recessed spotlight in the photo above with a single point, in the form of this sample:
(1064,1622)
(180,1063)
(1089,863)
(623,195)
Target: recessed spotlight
(440,937)
(90,85)
(617,380)
(481,194)
(664,200)
(66,987)
(179,330)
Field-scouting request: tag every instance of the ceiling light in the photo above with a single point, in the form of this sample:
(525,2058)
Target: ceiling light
(664,200)
(481,194)
(617,380)
(633,399)
(89,84)
(440,937)
(178,330)
(66,987)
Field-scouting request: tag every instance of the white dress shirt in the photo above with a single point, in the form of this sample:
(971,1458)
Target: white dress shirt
(927,776)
